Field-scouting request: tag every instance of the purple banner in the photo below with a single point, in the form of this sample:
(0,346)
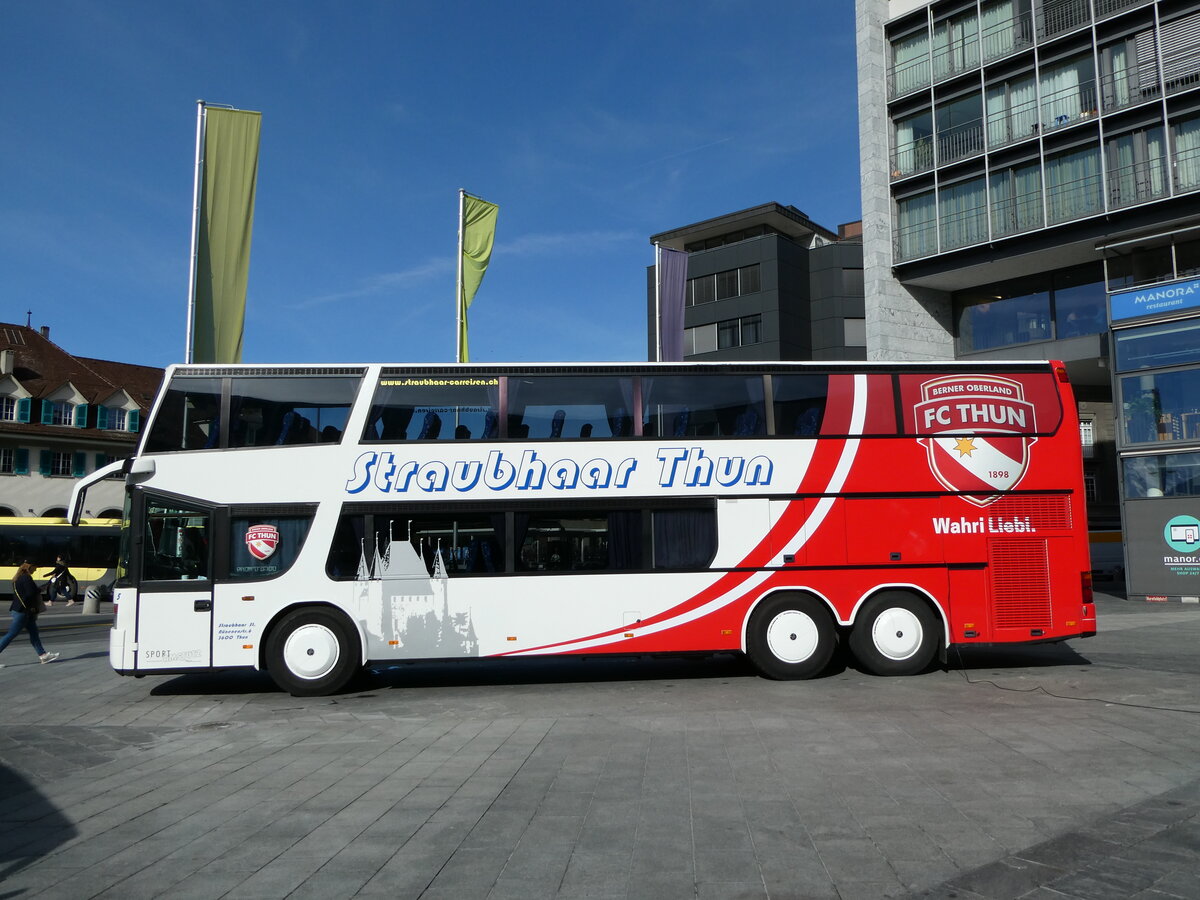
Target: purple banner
(672,288)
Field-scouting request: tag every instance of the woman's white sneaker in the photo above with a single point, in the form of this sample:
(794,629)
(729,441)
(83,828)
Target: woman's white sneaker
(48,657)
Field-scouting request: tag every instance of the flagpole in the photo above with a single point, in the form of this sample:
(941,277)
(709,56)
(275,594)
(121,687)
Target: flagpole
(657,302)
(458,284)
(195,248)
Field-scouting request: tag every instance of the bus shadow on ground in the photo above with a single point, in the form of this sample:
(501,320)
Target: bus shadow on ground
(34,826)
(486,672)
(1014,656)
(558,670)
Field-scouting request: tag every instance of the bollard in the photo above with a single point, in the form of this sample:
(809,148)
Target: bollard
(91,601)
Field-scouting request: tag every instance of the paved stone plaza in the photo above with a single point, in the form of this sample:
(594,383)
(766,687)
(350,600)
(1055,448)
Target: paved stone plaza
(1068,771)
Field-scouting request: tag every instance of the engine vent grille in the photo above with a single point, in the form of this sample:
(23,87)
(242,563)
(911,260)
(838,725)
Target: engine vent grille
(1043,511)
(1020,573)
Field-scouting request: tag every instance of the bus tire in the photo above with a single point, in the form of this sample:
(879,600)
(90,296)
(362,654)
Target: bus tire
(790,636)
(312,652)
(895,633)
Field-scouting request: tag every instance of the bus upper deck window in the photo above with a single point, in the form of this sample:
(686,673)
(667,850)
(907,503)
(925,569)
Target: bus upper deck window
(703,405)
(553,407)
(434,409)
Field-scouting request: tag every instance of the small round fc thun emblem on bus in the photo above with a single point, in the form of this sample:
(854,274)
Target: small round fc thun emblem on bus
(977,430)
(261,540)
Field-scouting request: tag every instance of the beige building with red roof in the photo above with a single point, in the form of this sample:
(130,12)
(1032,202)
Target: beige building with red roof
(62,417)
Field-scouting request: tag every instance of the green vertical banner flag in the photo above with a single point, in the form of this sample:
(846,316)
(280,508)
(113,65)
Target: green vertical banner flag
(477,235)
(227,182)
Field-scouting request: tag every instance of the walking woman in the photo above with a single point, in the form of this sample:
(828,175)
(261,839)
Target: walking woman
(24,611)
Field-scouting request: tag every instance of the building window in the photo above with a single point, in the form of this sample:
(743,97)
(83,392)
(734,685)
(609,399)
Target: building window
(1073,185)
(1080,304)
(1016,199)
(910,63)
(1006,26)
(1128,72)
(1087,437)
(914,144)
(959,129)
(1017,312)
(723,335)
(854,332)
(8,409)
(61,413)
(1068,92)
(118,419)
(1012,111)
(1136,167)
(1161,407)
(1185,135)
(723,285)
(60,463)
(1180,42)
(955,45)
(1170,475)
(7,460)
(916,226)
(1090,489)
(963,211)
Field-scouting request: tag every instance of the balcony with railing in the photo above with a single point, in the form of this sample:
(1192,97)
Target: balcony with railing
(1057,17)
(1187,170)
(1016,123)
(1018,214)
(1068,105)
(960,141)
(1181,69)
(1122,89)
(1073,199)
(1009,36)
(916,240)
(908,76)
(964,227)
(958,57)
(1105,8)
(913,156)
(1136,183)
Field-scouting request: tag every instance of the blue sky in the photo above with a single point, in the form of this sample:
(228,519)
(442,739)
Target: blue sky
(593,126)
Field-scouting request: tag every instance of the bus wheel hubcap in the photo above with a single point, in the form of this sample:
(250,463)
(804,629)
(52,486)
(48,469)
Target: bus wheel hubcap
(311,651)
(897,633)
(792,636)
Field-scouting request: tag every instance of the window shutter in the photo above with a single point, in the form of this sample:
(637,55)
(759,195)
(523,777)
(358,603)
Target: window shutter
(101,416)
(133,419)
(44,463)
(47,412)
(23,410)
(21,461)
(80,465)
(101,459)
(81,415)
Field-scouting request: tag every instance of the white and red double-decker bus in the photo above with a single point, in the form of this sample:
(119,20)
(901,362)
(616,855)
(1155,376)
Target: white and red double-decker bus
(314,520)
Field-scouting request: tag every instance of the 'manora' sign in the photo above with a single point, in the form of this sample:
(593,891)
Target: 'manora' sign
(1156,298)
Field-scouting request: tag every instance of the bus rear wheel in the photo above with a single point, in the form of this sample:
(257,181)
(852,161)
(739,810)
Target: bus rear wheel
(312,653)
(791,636)
(895,634)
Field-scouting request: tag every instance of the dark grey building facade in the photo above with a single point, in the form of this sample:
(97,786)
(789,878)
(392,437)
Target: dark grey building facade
(766,283)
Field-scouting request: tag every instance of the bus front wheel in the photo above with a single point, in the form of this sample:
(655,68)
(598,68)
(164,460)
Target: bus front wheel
(895,634)
(791,636)
(312,652)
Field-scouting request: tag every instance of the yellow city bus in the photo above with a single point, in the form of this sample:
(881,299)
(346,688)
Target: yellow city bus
(89,548)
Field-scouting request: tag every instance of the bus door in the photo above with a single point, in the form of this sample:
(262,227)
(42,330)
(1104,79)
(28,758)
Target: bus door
(175,589)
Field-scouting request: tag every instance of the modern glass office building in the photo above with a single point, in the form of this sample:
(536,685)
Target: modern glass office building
(1022,162)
